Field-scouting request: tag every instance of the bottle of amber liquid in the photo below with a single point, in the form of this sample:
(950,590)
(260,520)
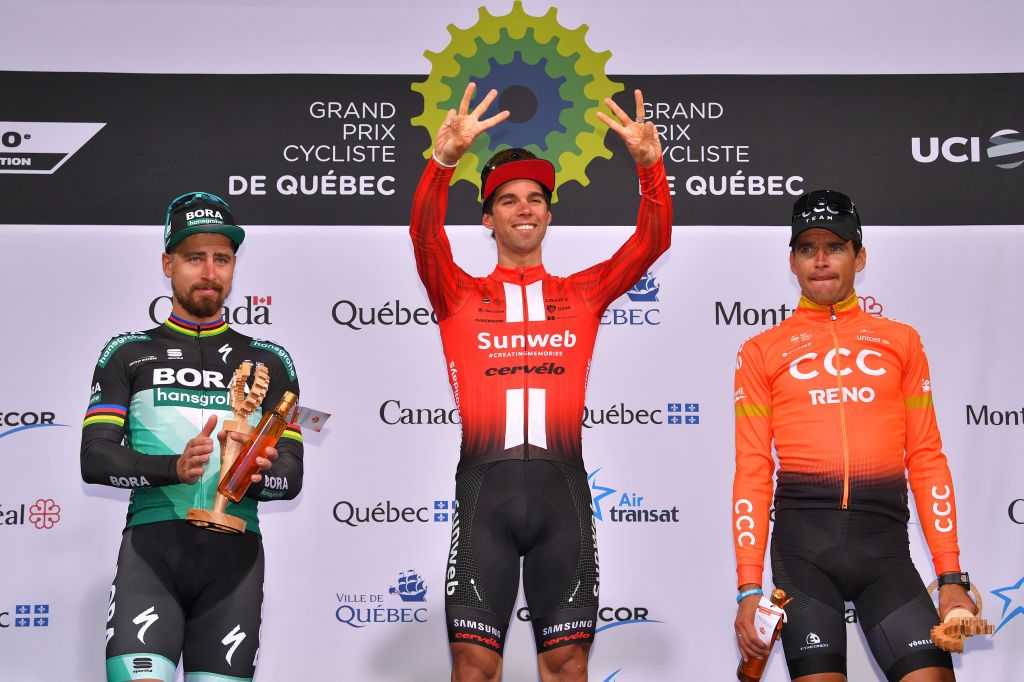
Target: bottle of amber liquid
(751,669)
(234,484)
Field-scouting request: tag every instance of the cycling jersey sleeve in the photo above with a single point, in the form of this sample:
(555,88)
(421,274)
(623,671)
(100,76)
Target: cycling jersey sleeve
(447,285)
(605,282)
(283,480)
(927,468)
(104,458)
(752,485)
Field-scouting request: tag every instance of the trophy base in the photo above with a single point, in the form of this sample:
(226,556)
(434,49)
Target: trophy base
(215,521)
(959,625)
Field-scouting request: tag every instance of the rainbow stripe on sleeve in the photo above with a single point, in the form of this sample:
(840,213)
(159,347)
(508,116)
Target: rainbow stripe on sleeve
(293,431)
(106,414)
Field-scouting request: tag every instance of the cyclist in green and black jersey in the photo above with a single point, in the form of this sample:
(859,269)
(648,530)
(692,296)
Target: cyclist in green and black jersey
(158,396)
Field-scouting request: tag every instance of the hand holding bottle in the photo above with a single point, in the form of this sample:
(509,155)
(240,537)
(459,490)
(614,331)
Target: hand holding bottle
(262,463)
(750,645)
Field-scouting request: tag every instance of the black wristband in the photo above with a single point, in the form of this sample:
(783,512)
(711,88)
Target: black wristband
(953,578)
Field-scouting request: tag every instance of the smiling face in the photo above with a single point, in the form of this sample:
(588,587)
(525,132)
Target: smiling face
(825,265)
(200,268)
(519,218)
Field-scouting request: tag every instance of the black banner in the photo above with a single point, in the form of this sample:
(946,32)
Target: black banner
(343,150)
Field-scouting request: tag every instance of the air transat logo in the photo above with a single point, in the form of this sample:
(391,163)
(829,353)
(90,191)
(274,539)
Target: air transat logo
(551,82)
(1013,603)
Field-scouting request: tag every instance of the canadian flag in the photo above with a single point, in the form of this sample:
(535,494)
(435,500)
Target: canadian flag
(261,300)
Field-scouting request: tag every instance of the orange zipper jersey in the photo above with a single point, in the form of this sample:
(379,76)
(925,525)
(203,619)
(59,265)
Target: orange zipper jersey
(842,412)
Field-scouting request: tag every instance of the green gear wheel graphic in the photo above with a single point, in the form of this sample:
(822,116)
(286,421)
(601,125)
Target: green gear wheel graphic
(535,40)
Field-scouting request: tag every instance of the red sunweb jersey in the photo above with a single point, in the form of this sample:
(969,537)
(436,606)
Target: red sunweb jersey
(847,400)
(518,342)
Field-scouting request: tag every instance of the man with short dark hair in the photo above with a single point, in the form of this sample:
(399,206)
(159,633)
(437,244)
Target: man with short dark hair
(846,399)
(518,345)
(181,591)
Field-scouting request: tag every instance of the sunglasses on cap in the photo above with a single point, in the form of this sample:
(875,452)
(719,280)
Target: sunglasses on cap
(824,200)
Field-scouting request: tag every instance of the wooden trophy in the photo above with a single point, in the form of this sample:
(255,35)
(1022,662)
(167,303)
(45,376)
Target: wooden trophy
(242,405)
(959,624)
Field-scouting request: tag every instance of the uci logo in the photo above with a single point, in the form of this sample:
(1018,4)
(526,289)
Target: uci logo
(829,364)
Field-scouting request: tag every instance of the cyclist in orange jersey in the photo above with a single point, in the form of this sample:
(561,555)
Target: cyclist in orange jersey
(517,346)
(846,399)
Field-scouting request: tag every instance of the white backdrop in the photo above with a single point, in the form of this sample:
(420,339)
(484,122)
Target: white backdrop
(73,287)
(65,290)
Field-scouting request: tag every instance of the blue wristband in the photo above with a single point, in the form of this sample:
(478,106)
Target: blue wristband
(749,593)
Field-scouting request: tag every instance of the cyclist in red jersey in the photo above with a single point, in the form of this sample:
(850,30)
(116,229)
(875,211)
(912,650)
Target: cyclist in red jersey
(517,345)
(845,398)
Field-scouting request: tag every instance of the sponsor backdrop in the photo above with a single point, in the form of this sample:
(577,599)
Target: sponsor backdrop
(321,169)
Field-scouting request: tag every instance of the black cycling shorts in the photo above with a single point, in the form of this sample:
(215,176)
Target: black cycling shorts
(185,592)
(536,509)
(825,557)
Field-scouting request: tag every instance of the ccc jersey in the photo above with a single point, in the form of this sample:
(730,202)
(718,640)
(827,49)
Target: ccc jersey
(518,342)
(847,400)
(153,391)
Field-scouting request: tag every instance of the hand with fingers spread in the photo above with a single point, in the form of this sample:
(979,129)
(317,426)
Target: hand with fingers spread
(192,461)
(747,639)
(640,136)
(263,462)
(461,127)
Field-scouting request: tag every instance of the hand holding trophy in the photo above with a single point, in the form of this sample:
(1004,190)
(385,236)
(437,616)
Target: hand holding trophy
(242,405)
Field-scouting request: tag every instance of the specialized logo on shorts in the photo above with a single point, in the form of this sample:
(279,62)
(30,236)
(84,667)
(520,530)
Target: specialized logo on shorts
(232,640)
(145,619)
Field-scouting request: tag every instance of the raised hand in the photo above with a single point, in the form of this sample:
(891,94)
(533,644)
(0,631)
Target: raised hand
(462,127)
(197,453)
(640,137)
